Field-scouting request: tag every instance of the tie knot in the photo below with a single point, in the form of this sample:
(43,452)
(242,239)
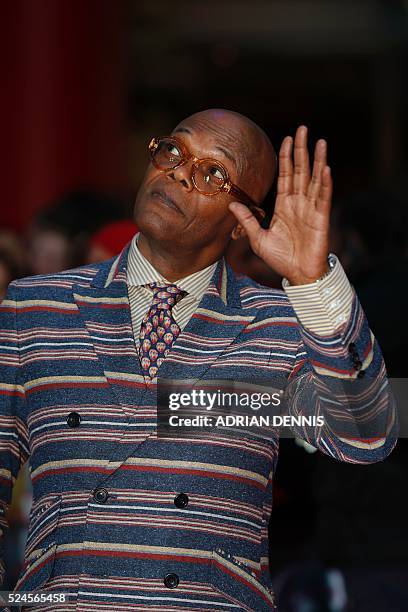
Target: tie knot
(166,296)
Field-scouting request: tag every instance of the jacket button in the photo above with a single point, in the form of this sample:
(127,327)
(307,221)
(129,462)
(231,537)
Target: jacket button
(73,419)
(171,581)
(100,495)
(181,501)
(361,374)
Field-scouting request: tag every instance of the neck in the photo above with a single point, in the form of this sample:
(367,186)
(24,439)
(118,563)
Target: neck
(173,265)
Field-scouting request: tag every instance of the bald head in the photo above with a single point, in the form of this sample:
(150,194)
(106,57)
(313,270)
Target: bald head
(247,145)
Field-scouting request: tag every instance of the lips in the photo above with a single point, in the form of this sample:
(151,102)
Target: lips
(160,194)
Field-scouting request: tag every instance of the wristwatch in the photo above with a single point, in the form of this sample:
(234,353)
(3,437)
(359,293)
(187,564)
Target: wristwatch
(331,261)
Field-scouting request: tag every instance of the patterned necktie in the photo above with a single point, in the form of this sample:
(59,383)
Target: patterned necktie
(159,329)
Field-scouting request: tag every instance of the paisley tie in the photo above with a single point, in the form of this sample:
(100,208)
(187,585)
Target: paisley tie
(159,329)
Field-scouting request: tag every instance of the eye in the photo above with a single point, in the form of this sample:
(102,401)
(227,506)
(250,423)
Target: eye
(168,149)
(173,150)
(216,173)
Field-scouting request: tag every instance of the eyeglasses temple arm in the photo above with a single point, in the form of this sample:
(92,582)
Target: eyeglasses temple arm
(245,199)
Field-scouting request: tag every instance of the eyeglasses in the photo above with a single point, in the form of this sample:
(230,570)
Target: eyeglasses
(208,175)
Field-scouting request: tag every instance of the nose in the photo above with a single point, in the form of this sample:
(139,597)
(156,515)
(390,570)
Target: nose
(183,175)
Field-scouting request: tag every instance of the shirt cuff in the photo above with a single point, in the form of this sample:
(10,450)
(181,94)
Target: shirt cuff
(325,305)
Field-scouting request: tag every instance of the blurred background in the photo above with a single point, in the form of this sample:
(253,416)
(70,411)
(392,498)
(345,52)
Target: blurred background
(87,83)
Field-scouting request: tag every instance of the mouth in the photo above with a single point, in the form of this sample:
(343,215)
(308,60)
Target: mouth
(161,195)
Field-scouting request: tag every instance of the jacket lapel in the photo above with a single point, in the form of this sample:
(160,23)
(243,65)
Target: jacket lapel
(105,311)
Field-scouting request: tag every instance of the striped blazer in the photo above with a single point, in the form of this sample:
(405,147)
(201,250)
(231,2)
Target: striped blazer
(124,518)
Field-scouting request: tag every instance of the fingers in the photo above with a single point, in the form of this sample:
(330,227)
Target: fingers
(285,178)
(323,203)
(247,220)
(301,177)
(294,176)
(320,161)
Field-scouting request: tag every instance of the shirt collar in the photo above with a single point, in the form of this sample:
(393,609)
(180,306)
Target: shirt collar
(140,272)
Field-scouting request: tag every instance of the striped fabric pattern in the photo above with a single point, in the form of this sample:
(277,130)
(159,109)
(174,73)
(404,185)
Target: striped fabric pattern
(324,306)
(105,524)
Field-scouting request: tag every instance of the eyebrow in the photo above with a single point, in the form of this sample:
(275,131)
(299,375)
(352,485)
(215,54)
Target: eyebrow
(184,130)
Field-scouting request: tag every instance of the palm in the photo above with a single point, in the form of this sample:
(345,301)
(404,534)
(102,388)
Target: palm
(296,243)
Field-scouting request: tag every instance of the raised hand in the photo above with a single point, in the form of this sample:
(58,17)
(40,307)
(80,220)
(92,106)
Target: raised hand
(296,243)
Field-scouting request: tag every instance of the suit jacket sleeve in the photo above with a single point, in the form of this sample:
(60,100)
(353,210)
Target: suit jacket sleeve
(13,430)
(341,377)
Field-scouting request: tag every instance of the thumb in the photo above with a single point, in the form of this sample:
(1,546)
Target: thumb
(246,219)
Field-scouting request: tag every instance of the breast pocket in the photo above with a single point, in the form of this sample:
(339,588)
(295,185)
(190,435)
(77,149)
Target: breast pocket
(41,543)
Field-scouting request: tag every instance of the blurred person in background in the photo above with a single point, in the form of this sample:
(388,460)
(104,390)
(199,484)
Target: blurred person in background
(109,240)
(49,249)
(8,271)
(11,260)
(58,236)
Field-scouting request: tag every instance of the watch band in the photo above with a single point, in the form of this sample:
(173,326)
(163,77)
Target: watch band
(331,261)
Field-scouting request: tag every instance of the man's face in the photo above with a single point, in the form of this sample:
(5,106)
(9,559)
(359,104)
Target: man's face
(170,209)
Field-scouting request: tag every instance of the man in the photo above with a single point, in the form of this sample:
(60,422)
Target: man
(126,518)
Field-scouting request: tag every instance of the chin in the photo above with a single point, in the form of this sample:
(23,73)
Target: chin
(155,226)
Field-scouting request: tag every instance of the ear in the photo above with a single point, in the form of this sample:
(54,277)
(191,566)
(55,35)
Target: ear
(238,232)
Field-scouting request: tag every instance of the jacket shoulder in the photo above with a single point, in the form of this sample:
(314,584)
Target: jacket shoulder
(66,279)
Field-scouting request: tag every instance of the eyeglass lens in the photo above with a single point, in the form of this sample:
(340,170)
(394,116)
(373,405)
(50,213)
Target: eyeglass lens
(209,176)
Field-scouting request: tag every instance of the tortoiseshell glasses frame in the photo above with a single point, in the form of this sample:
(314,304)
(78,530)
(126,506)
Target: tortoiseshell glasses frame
(220,184)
